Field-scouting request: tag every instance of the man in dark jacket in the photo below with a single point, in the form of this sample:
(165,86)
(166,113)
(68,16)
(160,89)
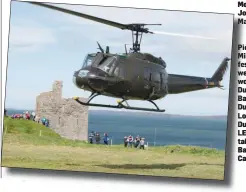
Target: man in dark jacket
(137,141)
(97,137)
(125,141)
(91,135)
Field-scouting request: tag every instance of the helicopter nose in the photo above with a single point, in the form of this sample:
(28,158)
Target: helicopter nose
(75,76)
(75,80)
(80,78)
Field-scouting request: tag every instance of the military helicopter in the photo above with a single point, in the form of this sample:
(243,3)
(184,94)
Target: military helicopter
(132,75)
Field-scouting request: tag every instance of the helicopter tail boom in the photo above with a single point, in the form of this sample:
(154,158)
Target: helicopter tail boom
(184,83)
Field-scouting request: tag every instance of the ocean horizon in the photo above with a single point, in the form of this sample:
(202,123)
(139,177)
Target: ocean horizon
(158,129)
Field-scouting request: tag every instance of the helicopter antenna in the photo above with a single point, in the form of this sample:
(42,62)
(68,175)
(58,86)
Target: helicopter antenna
(107,49)
(126,49)
(100,47)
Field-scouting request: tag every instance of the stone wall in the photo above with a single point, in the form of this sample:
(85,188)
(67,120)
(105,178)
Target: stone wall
(67,117)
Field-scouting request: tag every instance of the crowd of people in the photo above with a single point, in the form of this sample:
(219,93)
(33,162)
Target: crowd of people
(31,116)
(138,142)
(96,137)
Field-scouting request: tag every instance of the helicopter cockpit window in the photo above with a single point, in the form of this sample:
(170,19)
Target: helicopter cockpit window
(147,74)
(119,71)
(154,59)
(107,64)
(156,77)
(88,60)
(163,62)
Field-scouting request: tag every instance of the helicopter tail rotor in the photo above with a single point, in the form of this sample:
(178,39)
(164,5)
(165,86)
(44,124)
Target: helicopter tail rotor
(220,72)
(217,77)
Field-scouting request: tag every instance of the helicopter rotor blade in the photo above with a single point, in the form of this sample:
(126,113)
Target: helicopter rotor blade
(97,19)
(182,35)
(133,26)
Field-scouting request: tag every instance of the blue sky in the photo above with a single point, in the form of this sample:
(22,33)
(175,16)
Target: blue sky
(47,45)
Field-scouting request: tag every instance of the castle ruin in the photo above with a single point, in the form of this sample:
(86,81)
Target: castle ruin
(66,117)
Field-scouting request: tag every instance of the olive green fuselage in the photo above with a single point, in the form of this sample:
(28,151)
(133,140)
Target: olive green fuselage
(133,76)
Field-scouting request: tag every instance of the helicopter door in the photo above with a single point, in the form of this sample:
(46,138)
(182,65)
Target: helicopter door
(119,71)
(156,81)
(147,78)
(162,84)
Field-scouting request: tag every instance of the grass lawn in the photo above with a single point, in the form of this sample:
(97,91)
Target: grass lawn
(24,147)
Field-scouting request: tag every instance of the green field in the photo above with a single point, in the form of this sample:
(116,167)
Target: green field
(23,146)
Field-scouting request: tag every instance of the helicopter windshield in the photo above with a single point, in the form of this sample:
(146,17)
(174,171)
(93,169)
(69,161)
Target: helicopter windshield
(88,60)
(108,64)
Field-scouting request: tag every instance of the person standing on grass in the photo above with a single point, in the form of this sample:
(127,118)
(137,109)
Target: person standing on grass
(97,138)
(105,139)
(125,141)
(130,140)
(43,120)
(137,141)
(47,123)
(24,115)
(37,119)
(142,143)
(91,135)
(28,116)
(33,116)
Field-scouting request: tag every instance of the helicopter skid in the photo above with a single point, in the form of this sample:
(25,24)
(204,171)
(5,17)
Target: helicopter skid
(140,108)
(96,105)
(119,106)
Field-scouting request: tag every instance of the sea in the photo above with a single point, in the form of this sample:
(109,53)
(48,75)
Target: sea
(158,129)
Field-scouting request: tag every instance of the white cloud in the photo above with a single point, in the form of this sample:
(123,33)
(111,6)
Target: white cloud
(29,38)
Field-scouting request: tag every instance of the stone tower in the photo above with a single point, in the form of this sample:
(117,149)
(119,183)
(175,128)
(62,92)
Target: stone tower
(57,88)
(67,118)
